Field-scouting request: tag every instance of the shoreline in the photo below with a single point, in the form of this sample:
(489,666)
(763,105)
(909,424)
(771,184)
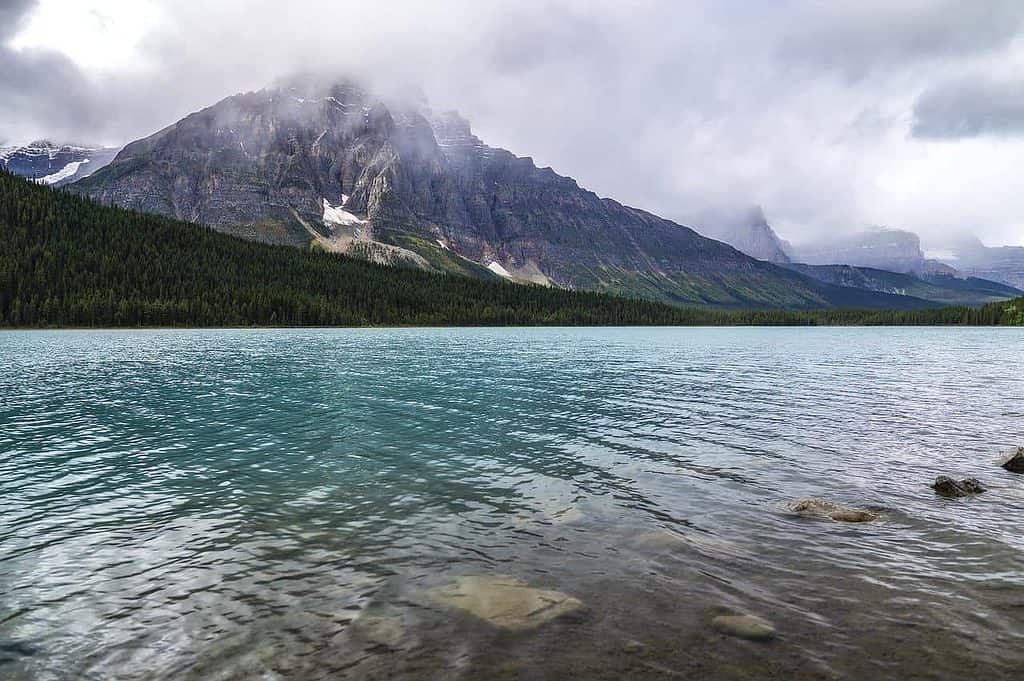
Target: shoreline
(510,326)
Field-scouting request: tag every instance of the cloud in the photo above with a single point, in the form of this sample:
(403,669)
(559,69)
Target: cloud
(813,110)
(860,37)
(13,14)
(970,107)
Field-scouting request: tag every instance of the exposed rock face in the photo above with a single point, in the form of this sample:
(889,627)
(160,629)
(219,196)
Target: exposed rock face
(261,165)
(826,509)
(948,487)
(1015,463)
(55,164)
(750,234)
(505,602)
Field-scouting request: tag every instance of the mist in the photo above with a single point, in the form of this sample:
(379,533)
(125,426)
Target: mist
(830,116)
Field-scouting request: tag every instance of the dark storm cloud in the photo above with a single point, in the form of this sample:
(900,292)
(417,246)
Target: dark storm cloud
(970,108)
(861,36)
(38,86)
(13,14)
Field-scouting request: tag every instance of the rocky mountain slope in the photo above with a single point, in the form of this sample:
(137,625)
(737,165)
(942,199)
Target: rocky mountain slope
(55,164)
(750,234)
(942,289)
(398,183)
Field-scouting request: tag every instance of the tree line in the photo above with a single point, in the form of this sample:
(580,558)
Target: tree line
(66,261)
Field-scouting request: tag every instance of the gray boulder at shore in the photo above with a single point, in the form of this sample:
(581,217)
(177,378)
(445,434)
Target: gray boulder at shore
(948,487)
(1015,463)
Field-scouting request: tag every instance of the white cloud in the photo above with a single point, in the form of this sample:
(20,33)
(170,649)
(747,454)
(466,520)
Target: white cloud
(94,34)
(682,108)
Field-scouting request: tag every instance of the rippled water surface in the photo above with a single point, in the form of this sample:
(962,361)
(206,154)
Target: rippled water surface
(286,503)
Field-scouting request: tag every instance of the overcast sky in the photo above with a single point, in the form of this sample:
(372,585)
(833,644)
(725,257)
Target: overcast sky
(831,114)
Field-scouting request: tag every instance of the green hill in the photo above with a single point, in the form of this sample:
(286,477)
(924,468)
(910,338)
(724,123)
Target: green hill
(67,261)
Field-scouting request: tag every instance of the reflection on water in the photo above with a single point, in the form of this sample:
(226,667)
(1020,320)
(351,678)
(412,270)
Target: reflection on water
(308,504)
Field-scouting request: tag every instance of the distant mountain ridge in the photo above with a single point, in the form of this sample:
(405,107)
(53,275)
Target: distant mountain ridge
(896,263)
(895,250)
(942,289)
(1000,263)
(397,183)
(55,164)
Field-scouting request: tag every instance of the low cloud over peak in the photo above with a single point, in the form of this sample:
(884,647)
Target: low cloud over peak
(829,115)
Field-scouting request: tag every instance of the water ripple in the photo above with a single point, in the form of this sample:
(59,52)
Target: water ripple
(230,504)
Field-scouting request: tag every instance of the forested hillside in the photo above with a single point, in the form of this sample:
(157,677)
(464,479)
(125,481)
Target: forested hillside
(66,261)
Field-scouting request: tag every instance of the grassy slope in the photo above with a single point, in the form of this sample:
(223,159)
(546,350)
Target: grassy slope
(67,261)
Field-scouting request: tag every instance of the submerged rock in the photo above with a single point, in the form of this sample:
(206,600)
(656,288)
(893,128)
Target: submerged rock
(744,626)
(666,541)
(1015,462)
(948,487)
(504,601)
(381,629)
(826,509)
(564,516)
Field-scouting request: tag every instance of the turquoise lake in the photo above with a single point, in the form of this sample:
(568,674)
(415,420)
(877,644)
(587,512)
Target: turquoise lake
(288,504)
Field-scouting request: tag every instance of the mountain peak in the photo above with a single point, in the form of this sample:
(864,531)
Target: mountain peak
(748,231)
(328,160)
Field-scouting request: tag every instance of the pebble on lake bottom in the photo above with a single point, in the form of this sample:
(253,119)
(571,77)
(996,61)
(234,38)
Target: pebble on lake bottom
(632,646)
(744,626)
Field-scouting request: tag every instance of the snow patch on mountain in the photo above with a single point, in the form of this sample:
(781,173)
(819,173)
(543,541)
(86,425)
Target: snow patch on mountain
(64,173)
(336,215)
(498,269)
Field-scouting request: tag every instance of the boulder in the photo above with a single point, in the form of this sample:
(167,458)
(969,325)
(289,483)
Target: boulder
(505,602)
(1015,462)
(826,509)
(948,487)
(744,626)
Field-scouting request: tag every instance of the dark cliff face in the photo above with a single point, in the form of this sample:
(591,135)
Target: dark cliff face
(262,165)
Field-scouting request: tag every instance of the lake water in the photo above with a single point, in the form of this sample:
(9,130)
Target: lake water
(287,504)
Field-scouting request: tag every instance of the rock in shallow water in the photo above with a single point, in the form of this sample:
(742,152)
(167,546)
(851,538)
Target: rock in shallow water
(948,487)
(826,509)
(1015,463)
(504,601)
(744,626)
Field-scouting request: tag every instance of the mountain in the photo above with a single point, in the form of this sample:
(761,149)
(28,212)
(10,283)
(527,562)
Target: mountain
(895,250)
(55,164)
(750,234)
(941,289)
(397,183)
(1002,263)
(68,261)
